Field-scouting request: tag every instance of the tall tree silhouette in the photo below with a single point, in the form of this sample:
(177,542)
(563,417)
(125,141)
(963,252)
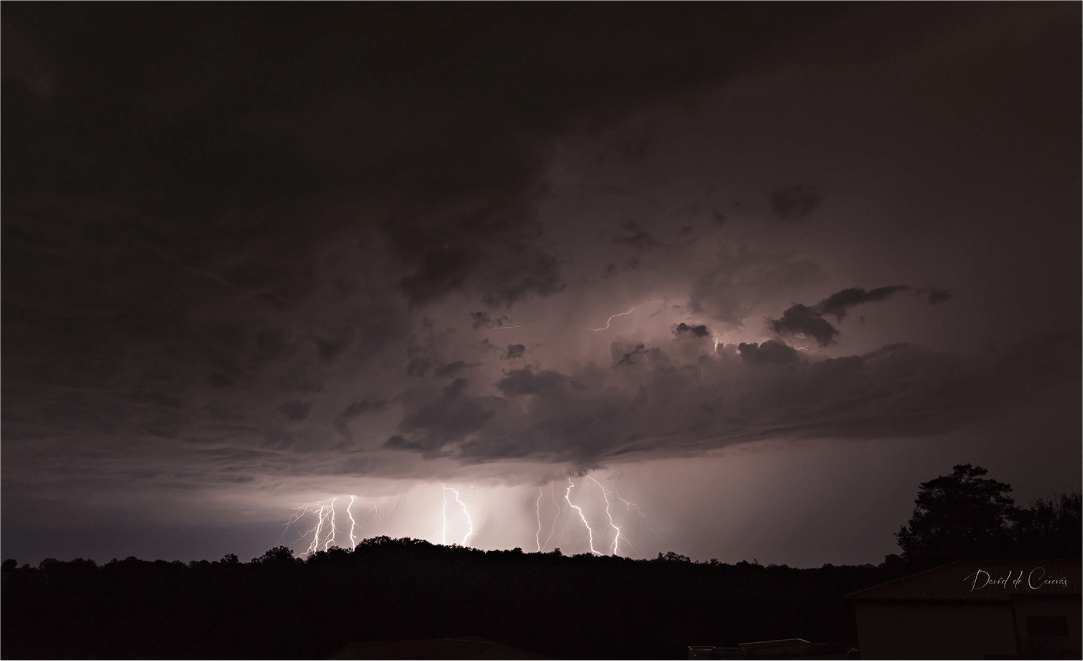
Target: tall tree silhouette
(1052,528)
(958,517)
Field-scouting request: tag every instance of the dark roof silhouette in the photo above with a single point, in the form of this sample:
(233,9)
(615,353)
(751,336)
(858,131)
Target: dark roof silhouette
(434,648)
(961,581)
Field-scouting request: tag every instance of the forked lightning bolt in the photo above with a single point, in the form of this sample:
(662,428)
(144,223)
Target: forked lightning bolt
(314,546)
(331,516)
(616,540)
(469,521)
(556,515)
(537,507)
(590,533)
(294,519)
(353,524)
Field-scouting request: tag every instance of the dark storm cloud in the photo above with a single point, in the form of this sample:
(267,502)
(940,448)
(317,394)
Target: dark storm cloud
(482,319)
(233,218)
(431,424)
(295,409)
(529,382)
(225,229)
(770,352)
(802,320)
(795,201)
(451,369)
(742,277)
(351,413)
(419,361)
(484,248)
(840,302)
(809,322)
(936,296)
(633,236)
(660,406)
(695,331)
(624,354)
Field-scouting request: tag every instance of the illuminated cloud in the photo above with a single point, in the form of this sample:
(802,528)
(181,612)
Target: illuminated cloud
(501,246)
(809,322)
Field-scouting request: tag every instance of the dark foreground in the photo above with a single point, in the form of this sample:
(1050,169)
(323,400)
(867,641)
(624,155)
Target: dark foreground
(549,604)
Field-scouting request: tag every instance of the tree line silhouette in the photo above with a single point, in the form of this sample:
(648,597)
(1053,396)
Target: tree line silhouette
(967,516)
(582,606)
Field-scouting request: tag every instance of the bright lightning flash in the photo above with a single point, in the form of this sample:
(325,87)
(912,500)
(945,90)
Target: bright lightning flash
(457,526)
(590,533)
(621,314)
(537,505)
(469,521)
(605,495)
(353,524)
(331,516)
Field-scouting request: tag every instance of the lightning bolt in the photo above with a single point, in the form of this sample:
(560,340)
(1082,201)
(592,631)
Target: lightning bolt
(331,516)
(621,314)
(590,533)
(537,507)
(314,546)
(469,521)
(616,540)
(556,516)
(353,524)
(294,519)
(634,508)
(457,526)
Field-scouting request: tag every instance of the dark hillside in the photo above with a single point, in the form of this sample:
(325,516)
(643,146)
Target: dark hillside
(280,607)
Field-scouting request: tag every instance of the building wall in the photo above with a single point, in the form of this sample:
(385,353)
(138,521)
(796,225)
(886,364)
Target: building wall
(925,630)
(1046,639)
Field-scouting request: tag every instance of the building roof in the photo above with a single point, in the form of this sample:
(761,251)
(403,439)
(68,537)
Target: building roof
(766,644)
(433,648)
(981,581)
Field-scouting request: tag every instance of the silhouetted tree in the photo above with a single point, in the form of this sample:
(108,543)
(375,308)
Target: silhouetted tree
(279,555)
(957,517)
(1051,528)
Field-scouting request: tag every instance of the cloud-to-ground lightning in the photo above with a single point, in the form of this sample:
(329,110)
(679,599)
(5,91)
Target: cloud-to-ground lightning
(457,525)
(590,533)
(353,524)
(469,521)
(537,507)
(331,516)
(605,495)
(556,515)
(314,546)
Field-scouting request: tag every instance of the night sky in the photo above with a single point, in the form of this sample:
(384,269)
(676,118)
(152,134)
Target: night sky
(732,279)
